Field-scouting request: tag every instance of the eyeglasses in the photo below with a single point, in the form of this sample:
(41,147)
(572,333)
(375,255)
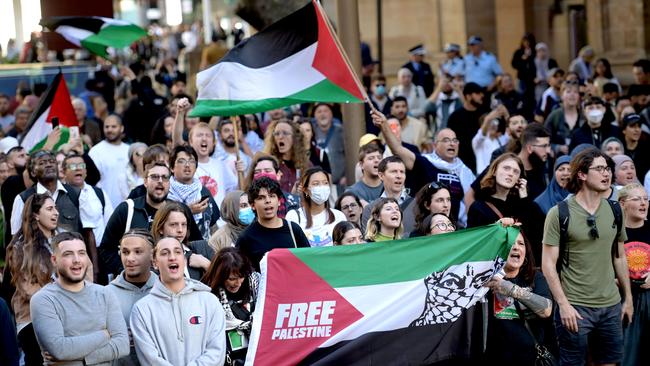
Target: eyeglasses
(378,85)
(352,205)
(282,133)
(158,178)
(593,232)
(447,140)
(637,199)
(601,169)
(79,166)
(443,226)
(186,162)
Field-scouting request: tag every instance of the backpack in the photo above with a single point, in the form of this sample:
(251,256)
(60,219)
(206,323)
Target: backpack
(563,217)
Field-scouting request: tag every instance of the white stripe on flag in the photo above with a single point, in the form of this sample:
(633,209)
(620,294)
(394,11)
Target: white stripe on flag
(111,21)
(38,131)
(73,35)
(234,81)
(257,314)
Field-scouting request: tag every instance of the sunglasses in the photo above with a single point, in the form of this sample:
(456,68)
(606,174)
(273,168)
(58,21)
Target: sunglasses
(593,232)
(437,186)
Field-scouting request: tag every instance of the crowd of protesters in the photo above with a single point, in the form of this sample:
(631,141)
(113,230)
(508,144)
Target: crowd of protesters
(173,214)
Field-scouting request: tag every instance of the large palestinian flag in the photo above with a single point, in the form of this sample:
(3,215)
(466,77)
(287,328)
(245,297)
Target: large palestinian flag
(407,302)
(55,102)
(295,60)
(95,33)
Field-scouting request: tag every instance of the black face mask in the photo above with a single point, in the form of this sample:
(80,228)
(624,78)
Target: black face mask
(476,104)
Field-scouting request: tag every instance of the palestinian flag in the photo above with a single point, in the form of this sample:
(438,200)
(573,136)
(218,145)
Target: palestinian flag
(295,60)
(55,102)
(95,33)
(407,302)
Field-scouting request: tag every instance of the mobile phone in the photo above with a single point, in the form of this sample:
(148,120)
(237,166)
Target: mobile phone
(74,132)
(204,197)
(297,174)
(55,122)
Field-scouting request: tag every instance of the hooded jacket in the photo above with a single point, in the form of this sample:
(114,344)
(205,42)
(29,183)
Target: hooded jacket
(127,295)
(187,328)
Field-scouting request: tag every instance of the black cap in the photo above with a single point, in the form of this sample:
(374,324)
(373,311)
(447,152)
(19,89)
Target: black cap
(471,88)
(631,119)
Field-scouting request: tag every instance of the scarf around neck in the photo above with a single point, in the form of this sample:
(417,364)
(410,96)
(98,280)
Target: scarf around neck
(186,193)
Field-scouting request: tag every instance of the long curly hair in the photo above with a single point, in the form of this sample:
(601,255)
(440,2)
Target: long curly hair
(299,155)
(29,253)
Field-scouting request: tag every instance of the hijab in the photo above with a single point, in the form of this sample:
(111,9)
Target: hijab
(553,192)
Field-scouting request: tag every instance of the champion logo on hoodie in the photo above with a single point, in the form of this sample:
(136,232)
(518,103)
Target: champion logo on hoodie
(196,320)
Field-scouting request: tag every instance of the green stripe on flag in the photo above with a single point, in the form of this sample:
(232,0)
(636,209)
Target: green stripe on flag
(324,91)
(113,36)
(408,259)
(65,136)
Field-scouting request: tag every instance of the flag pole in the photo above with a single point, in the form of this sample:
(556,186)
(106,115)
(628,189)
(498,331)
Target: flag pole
(320,9)
(240,175)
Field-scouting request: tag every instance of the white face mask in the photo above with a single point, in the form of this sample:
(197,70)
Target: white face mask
(319,194)
(595,116)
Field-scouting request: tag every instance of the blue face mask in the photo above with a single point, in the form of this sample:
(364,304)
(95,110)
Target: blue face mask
(246,215)
(380,90)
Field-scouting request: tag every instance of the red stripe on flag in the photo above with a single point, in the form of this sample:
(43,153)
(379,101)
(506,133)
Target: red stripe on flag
(329,60)
(61,106)
(301,311)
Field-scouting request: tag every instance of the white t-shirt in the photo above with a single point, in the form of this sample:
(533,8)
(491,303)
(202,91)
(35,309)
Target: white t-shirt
(214,176)
(319,234)
(111,161)
(92,214)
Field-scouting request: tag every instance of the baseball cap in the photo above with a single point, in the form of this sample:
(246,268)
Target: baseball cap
(631,119)
(367,138)
(8,143)
(471,88)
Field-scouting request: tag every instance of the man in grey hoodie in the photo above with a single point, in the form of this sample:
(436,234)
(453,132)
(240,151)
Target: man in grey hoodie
(135,281)
(180,322)
(77,322)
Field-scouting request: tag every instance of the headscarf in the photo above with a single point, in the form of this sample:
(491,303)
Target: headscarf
(553,192)
(619,160)
(230,214)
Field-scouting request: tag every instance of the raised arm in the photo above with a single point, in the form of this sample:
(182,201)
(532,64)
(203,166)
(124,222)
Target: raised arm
(179,121)
(395,145)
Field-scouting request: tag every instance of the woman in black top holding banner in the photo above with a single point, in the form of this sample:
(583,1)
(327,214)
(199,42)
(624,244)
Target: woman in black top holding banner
(519,302)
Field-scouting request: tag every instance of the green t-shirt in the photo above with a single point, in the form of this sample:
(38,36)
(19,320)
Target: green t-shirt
(381,237)
(589,279)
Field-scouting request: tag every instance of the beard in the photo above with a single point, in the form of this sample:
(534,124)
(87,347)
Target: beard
(70,279)
(536,161)
(229,142)
(155,199)
(476,104)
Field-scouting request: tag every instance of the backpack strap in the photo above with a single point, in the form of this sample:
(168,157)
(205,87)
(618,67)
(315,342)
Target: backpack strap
(563,217)
(618,220)
(129,214)
(100,194)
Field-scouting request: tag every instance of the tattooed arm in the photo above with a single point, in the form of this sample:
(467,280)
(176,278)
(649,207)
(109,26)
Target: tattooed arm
(536,303)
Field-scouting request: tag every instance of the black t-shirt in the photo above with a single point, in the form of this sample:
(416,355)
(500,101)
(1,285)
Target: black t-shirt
(424,172)
(151,212)
(641,234)
(256,240)
(465,124)
(508,341)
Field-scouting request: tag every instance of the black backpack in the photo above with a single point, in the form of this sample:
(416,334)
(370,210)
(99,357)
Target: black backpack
(563,216)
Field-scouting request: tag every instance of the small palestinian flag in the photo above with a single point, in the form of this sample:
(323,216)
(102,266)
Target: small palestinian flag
(407,302)
(95,34)
(295,60)
(55,102)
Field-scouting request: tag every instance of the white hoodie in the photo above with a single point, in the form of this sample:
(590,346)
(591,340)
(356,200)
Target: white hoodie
(187,328)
